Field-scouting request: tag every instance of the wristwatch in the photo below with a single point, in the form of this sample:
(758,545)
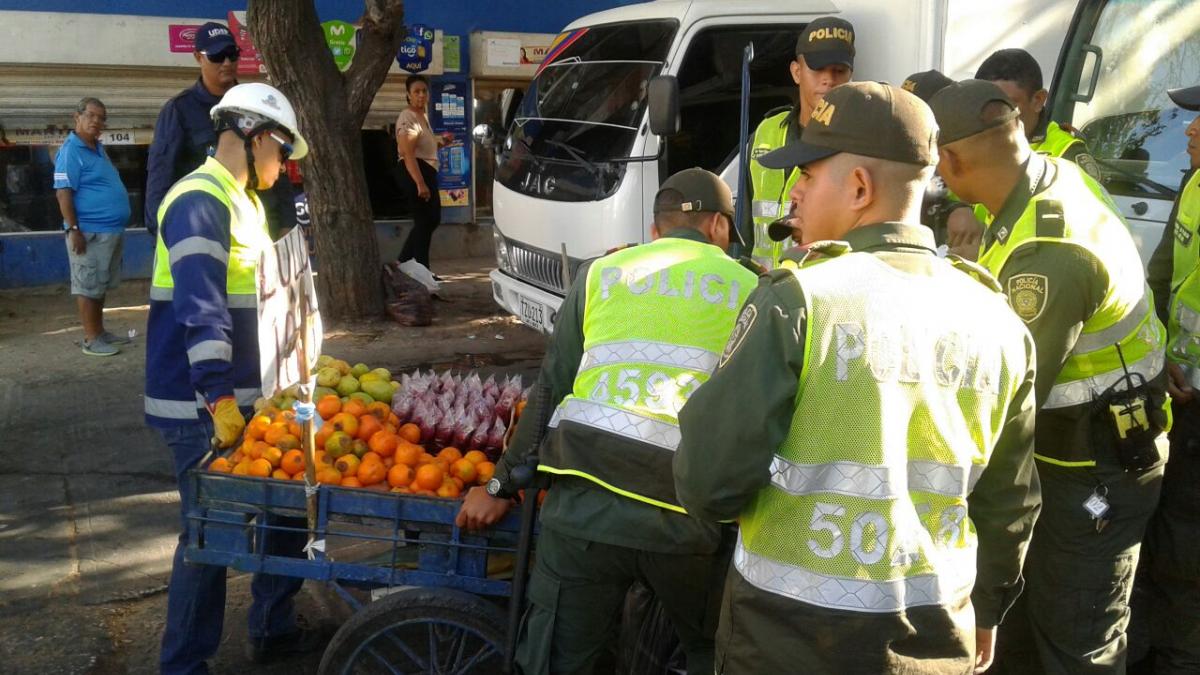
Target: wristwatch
(73,228)
(496,489)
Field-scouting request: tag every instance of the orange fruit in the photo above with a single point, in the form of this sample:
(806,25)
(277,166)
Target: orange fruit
(380,411)
(384,443)
(346,422)
(425,458)
(280,474)
(430,476)
(464,469)
(329,476)
(242,468)
(329,406)
(393,419)
(389,462)
(369,456)
(347,465)
(257,427)
(368,426)
(323,459)
(220,465)
(295,429)
(520,408)
(260,468)
(351,481)
(235,458)
(411,433)
(449,491)
(485,470)
(450,455)
(299,475)
(355,407)
(407,453)
(323,434)
(273,455)
(475,456)
(292,461)
(400,475)
(401,490)
(459,482)
(275,432)
(370,473)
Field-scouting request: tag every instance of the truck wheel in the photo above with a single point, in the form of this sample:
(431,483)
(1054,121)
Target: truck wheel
(419,630)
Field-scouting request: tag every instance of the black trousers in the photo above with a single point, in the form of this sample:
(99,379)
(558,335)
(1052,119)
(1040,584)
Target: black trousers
(426,213)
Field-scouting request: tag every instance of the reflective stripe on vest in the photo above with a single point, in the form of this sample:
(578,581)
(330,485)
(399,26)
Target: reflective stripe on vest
(1125,326)
(868,513)
(232,300)
(1185,253)
(190,410)
(770,187)
(852,593)
(639,368)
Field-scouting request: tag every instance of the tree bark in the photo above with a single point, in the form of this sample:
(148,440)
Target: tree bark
(331,107)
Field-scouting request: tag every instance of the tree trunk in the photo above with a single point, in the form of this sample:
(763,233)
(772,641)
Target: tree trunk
(331,107)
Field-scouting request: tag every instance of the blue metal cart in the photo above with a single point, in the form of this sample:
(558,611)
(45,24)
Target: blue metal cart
(446,587)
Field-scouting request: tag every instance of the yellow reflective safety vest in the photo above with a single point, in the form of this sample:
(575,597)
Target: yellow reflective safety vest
(899,406)
(1075,210)
(1055,143)
(1184,318)
(247,229)
(655,321)
(771,188)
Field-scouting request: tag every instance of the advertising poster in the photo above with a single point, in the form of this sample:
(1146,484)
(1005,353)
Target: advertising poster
(340,36)
(286,294)
(448,118)
(251,62)
(182,37)
(416,51)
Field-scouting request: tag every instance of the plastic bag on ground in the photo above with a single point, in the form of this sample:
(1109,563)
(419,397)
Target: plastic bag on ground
(421,273)
(408,301)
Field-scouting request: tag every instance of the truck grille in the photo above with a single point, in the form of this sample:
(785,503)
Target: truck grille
(540,268)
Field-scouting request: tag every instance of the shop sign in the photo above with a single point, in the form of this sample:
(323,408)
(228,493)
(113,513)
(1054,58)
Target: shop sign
(416,51)
(250,62)
(339,35)
(182,37)
(451,53)
(448,118)
(286,295)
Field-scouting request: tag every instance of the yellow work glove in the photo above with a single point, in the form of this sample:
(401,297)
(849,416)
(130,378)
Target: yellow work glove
(228,422)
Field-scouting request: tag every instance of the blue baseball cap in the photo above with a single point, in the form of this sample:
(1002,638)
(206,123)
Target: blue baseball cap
(213,38)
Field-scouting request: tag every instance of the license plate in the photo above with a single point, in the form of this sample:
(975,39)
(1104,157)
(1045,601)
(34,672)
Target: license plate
(532,313)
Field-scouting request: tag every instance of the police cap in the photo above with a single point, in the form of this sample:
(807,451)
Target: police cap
(872,119)
(926,83)
(958,109)
(827,41)
(701,191)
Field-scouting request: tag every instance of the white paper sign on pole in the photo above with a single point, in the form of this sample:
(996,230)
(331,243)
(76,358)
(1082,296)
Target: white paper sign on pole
(285,294)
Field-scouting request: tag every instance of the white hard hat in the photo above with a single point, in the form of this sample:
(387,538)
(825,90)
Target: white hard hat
(256,99)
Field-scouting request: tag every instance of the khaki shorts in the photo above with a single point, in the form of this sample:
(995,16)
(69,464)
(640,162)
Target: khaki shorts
(98,270)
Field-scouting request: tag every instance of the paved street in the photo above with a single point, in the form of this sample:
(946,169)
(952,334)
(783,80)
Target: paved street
(88,509)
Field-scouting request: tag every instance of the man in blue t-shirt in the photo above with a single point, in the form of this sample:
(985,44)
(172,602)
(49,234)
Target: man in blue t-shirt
(95,208)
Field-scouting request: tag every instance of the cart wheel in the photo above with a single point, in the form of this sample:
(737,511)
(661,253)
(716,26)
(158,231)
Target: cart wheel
(419,630)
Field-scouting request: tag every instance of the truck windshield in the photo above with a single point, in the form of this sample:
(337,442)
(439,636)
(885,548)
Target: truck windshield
(583,111)
(1142,48)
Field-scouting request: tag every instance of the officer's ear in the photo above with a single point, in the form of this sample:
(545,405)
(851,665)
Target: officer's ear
(949,163)
(1039,100)
(861,185)
(655,233)
(797,69)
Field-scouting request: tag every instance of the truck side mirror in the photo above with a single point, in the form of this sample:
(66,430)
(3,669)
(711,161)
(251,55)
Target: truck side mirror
(510,100)
(484,135)
(664,105)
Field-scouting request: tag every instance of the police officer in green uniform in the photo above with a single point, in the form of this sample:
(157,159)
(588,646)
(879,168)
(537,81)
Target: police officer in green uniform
(639,331)
(1019,76)
(824,59)
(881,466)
(1072,273)
(1173,540)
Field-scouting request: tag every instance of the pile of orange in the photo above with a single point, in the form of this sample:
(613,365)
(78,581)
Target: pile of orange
(367,448)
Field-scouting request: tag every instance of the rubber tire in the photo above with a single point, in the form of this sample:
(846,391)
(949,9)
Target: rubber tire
(408,604)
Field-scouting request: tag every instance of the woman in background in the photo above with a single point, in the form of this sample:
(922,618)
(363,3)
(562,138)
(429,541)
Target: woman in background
(417,146)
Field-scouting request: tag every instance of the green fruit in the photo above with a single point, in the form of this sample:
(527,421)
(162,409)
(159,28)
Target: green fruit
(360,369)
(369,377)
(342,366)
(363,396)
(321,392)
(383,374)
(292,391)
(395,386)
(360,448)
(260,403)
(286,403)
(380,391)
(329,377)
(338,444)
(324,360)
(347,385)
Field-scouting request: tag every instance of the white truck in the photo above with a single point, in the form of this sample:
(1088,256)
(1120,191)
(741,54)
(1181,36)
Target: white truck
(578,165)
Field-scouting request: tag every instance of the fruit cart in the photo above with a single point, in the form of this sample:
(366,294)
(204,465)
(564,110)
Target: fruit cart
(438,592)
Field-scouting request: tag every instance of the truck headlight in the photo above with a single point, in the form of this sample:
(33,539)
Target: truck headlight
(501,249)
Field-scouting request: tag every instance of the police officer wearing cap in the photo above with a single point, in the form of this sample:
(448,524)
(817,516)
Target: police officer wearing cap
(938,204)
(824,59)
(1071,271)
(1172,565)
(638,333)
(881,469)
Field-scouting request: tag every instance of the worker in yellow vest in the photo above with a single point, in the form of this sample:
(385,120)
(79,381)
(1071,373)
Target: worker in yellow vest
(1019,76)
(1173,541)
(880,467)
(824,59)
(637,334)
(1071,271)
